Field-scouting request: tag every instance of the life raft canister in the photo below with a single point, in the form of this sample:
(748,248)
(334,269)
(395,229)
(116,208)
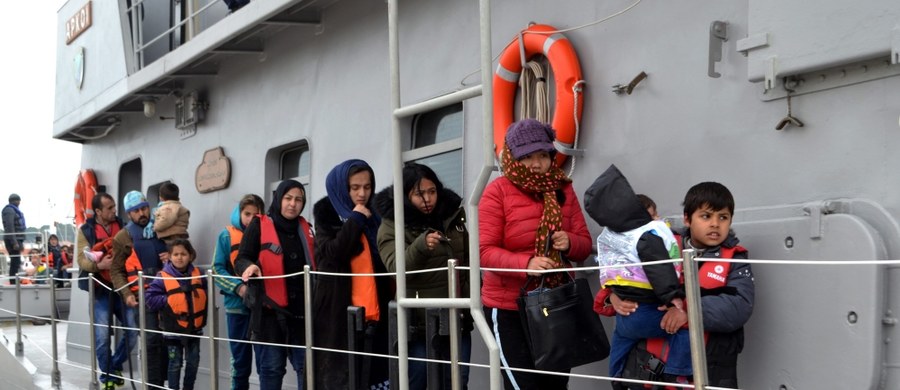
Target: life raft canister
(537,39)
(85,189)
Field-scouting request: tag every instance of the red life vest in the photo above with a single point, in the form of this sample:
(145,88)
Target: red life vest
(104,240)
(185,310)
(712,275)
(271,258)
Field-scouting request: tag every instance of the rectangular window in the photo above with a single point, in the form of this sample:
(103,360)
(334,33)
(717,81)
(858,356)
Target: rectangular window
(291,161)
(437,142)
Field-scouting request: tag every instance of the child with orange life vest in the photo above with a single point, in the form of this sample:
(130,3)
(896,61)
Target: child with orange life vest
(179,294)
(237,316)
(631,238)
(727,289)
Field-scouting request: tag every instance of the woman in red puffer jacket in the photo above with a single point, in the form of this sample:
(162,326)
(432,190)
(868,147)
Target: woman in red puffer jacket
(529,218)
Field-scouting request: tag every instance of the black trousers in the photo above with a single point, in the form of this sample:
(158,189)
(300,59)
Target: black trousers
(157,353)
(15,261)
(510,335)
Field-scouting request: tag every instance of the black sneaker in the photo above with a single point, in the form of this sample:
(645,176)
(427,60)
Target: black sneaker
(117,378)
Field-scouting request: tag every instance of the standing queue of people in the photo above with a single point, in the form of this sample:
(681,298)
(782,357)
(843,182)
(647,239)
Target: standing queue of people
(529,218)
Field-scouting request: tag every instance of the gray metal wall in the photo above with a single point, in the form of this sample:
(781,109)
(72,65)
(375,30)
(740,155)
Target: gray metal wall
(679,127)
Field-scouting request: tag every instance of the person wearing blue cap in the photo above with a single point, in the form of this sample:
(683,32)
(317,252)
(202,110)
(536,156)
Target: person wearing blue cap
(14,229)
(149,255)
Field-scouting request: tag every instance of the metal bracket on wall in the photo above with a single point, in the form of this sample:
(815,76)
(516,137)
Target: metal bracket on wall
(718,35)
(822,80)
(816,210)
(815,219)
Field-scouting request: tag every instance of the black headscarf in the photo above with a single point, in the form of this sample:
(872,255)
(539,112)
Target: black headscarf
(281,222)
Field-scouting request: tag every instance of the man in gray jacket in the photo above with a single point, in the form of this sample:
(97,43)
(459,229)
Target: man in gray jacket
(14,229)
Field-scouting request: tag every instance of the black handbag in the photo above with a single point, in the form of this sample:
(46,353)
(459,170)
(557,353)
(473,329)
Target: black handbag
(561,327)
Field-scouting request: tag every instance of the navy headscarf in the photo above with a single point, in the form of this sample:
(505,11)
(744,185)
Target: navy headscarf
(338,187)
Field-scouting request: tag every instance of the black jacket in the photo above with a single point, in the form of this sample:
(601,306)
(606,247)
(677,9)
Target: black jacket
(271,326)
(12,224)
(612,203)
(725,311)
(337,243)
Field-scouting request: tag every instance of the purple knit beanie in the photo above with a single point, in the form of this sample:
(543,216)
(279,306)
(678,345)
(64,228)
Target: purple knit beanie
(528,136)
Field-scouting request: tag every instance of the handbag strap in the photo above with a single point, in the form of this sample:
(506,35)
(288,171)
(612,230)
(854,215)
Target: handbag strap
(530,279)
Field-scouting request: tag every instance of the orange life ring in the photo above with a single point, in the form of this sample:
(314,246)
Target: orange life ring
(79,200)
(566,72)
(85,189)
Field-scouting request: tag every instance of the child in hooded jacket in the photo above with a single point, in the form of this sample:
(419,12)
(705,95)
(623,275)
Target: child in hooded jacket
(237,316)
(630,238)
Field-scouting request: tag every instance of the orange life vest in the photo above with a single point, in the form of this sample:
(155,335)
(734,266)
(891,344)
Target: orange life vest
(236,235)
(185,310)
(364,292)
(132,266)
(271,258)
(85,189)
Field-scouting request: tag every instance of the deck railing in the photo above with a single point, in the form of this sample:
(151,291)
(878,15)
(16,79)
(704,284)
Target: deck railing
(692,301)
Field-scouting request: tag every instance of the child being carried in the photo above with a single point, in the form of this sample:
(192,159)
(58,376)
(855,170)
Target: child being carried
(631,238)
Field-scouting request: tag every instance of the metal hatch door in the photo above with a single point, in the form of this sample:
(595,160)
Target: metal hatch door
(816,326)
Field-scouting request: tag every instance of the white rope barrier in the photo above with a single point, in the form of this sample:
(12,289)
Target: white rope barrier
(440,269)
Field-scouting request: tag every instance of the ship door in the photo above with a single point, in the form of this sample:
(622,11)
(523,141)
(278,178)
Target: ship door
(130,178)
(816,318)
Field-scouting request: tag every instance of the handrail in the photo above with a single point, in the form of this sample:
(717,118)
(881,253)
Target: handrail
(140,48)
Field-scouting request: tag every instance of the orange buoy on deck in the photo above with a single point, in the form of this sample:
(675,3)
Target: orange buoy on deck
(85,189)
(539,39)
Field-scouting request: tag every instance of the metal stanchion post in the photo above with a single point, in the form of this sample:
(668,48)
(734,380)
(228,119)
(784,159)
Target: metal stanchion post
(54,373)
(309,370)
(142,310)
(91,302)
(20,348)
(213,331)
(454,327)
(695,319)
(356,324)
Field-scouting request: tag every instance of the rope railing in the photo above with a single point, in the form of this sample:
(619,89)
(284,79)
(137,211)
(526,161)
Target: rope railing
(214,338)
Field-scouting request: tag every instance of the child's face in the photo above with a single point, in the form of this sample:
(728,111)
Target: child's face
(708,227)
(180,257)
(247,214)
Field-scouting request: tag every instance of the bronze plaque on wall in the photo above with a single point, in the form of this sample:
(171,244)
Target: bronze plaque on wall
(214,172)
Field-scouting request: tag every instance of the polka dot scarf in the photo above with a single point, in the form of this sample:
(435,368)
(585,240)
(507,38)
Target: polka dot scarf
(544,185)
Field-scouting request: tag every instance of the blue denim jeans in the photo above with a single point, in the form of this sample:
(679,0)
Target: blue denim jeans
(643,324)
(241,353)
(106,307)
(186,349)
(270,365)
(418,370)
